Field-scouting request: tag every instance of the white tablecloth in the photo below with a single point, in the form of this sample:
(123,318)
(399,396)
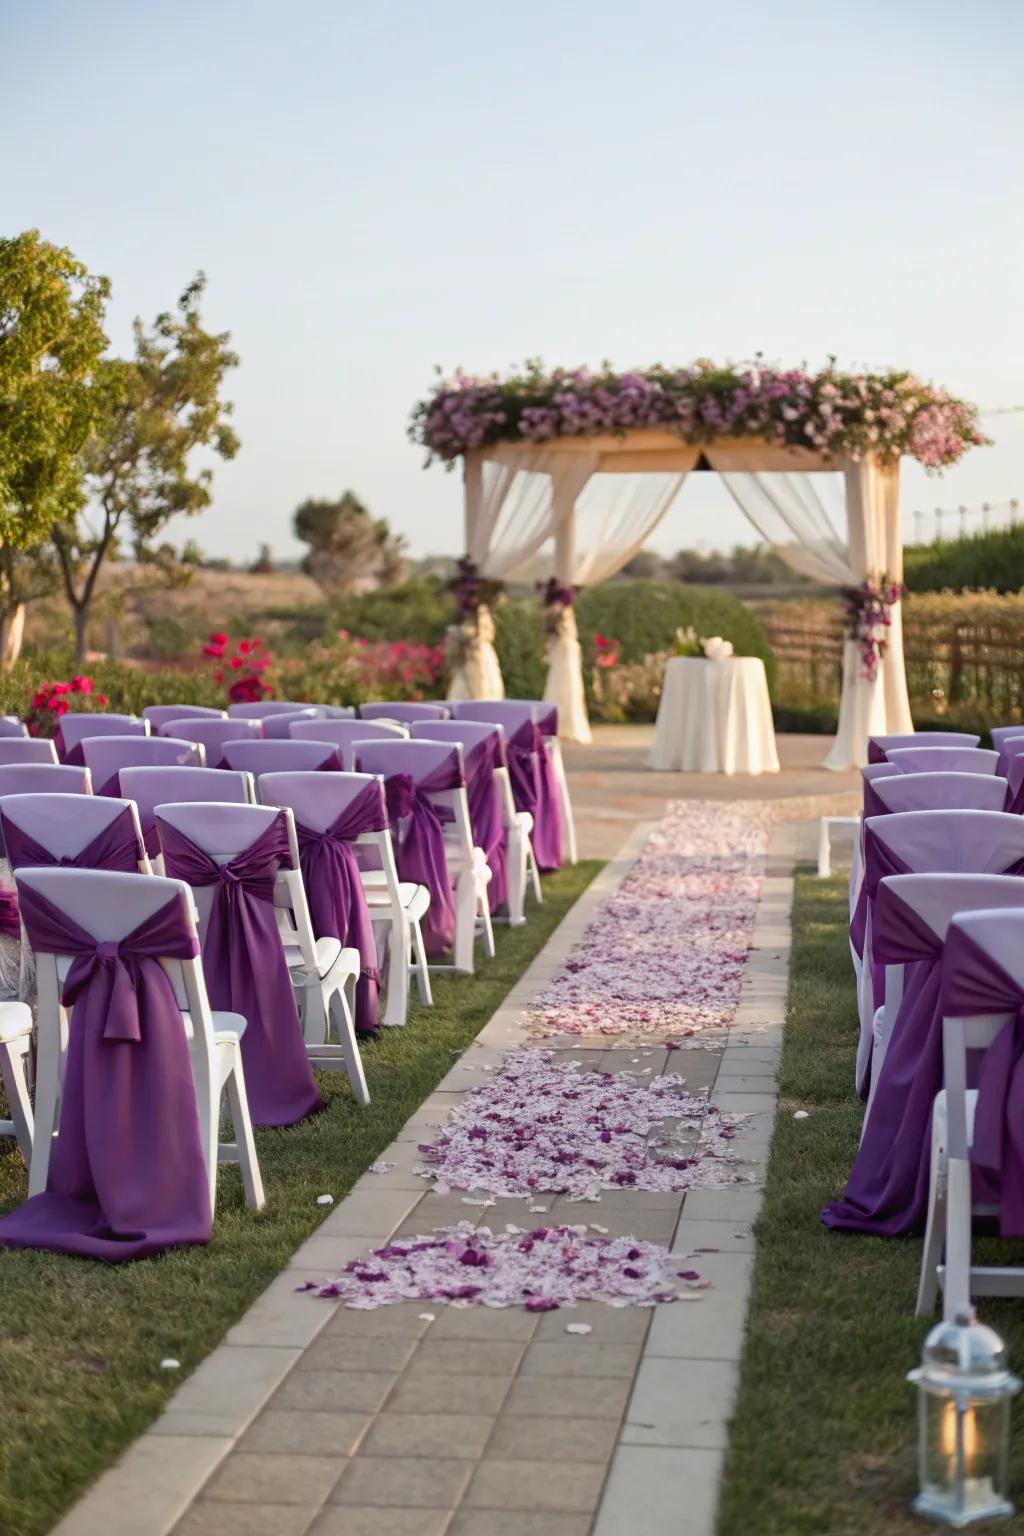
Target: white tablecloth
(714,717)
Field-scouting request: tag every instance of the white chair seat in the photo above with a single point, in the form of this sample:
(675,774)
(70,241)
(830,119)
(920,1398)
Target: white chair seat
(415,898)
(326,949)
(226,1026)
(15,1022)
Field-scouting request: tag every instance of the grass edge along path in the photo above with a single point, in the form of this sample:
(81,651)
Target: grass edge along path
(81,1342)
(823,1439)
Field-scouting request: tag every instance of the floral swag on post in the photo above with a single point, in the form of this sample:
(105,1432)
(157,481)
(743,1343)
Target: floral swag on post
(832,412)
(475,596)
(557,602)
(867,618)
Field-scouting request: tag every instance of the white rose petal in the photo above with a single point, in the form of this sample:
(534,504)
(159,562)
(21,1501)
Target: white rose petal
(801,1114)
(578,1328)
(325,1199)
(170,1365)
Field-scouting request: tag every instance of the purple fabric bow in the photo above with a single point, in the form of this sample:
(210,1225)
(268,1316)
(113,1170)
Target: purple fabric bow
(127,1176)
(483,793)
(115,847)
(887,1192)
(419,847)
(535,789)
(334,887)
(246,970)
(972,982)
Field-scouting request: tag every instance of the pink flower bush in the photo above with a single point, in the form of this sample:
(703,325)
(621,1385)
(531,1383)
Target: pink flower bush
(396,668)
(666,954)
(543,1125)
(53,700)
(830,411)
(541,1269)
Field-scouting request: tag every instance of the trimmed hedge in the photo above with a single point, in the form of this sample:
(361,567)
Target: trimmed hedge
(991,560)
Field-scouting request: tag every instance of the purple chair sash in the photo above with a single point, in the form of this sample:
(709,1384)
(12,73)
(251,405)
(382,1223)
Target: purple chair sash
(127,1176)
(115,847)
(10,921)
(879,861)
(483,794)
(887,1192)
(873,803)
(74,756)
(535,789)
(334,888)
(246,970)
(419,847)
(876,754)
(1014,773)
(972,982)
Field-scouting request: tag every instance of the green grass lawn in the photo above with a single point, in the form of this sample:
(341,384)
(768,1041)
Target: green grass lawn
(81,1342)
(823,1441)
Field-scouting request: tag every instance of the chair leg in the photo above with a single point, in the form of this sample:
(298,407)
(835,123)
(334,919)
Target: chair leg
(934,1237)
(565,804)
(47,1098)
(538,893)
(824,850)
(958,1238)
(465,922)
(238,1108)
(341,1013)
(14,1075)
(423,986)
(396,1006)
(315,1023)
(485,918)
(517,877)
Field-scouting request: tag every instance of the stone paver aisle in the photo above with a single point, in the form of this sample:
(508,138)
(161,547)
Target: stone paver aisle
(430,1420)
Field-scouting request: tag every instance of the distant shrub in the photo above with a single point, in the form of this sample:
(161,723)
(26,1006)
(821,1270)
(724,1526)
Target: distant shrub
(991,560)
(415,610)
(519,642)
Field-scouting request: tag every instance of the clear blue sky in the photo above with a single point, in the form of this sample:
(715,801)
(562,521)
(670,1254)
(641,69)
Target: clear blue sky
(374,188)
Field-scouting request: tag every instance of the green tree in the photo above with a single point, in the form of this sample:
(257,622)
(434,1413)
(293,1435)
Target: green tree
(349,550)
(156,410)
(51,344)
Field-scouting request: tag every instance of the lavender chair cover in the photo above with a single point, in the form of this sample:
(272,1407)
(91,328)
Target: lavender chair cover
(483,751)
(413,772)
(1014,769)
(10,725)
(934,792)
(887,1192)
(943,759)
(115,846)
(74,728)
(106,756)
(258,757)
(246,970)
(1001,734)
(27,749)
(879,746)
(344,734)
(534,785)
(923,842)
(405,711)
(268,707)
(150,785)
(334,889)
(212,734)
(44,779)
(160,715)
(278,727)
(975,979)
(127,1177)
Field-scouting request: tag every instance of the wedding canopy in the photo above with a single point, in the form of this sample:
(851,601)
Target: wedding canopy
(540,475)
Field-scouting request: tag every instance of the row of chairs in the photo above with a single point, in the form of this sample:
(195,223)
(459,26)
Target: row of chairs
(937,920)
(162,780)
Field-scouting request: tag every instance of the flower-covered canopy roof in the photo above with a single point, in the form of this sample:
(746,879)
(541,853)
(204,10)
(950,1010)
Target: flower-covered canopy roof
(831,412)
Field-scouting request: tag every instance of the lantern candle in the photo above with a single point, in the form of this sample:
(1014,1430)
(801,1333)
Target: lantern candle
(964,1393)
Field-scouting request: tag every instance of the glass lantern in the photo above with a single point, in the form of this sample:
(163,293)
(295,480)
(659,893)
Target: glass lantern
(964,1392)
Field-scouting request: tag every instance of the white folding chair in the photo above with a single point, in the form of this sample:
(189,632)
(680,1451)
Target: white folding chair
(323,973)
(999,934)
(15,1073)
(396,907)
(109,906)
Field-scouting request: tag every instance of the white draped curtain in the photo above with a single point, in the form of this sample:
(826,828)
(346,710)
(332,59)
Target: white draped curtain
(599,502)
(614,516)
(799,515)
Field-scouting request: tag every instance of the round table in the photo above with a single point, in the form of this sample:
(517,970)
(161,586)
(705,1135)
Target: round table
(714,717)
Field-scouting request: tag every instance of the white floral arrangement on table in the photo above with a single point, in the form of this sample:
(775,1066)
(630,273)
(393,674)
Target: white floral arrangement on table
(717,649)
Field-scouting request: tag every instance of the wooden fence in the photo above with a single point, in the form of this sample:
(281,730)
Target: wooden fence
(957,665)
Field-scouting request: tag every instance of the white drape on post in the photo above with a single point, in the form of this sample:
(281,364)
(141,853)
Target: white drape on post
(790,512)
(610,522)
(515,495)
